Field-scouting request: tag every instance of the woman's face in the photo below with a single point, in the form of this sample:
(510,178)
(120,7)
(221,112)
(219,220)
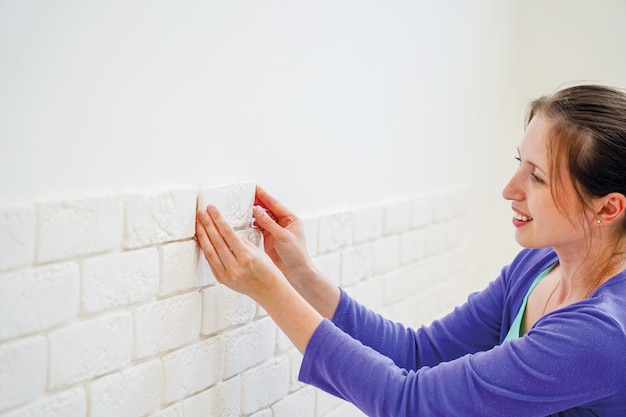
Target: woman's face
(538,220)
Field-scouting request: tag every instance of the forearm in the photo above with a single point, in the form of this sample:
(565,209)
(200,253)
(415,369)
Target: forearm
(291,313)
(318,291)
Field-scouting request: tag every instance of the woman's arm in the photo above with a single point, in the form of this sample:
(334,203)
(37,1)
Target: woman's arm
(285,243)
(243,267)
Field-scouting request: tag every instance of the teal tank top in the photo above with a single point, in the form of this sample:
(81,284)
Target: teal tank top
(516,328)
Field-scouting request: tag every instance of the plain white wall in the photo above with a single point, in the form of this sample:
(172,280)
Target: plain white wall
(327,104)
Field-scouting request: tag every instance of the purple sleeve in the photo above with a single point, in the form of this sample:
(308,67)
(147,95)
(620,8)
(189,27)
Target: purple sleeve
(468,329)
(556,366)
(477,325)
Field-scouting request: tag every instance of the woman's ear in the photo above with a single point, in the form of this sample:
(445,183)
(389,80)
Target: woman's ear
(611,207)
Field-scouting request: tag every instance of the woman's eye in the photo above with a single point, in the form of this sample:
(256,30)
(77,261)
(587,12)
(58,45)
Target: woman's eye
(519,160)
(536,178)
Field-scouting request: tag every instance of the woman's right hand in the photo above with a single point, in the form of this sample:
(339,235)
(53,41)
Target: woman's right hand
(283,236)
(285,244)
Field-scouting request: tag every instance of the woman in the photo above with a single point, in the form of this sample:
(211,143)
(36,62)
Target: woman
(547,337)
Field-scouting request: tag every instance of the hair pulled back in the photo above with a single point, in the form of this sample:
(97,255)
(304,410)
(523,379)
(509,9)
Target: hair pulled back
(587,138)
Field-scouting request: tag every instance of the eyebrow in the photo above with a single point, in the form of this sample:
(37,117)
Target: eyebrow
(532,164)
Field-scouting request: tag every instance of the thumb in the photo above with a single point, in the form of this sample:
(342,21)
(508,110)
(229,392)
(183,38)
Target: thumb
(265,221)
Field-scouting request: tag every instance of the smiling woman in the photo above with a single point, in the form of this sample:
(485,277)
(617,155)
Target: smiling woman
(545,338)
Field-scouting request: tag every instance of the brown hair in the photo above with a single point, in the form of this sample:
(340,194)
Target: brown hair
(587,138)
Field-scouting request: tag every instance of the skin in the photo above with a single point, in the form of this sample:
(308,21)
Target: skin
(284,281)
(587,257)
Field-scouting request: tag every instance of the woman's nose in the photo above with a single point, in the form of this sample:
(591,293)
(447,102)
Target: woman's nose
(511,190)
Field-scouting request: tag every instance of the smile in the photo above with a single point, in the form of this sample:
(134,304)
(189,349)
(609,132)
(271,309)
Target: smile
(521,217)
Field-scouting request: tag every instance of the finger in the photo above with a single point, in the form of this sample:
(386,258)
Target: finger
(219,245)
(280,211)
(207,248)
(225,234)
(266,221)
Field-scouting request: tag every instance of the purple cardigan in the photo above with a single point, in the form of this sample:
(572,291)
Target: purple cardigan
(571,363)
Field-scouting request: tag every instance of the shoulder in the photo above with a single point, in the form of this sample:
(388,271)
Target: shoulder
(534,258)
(526,266)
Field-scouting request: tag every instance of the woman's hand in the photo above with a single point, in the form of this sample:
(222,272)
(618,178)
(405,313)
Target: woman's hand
(283,236)
(243,267)
(235,262)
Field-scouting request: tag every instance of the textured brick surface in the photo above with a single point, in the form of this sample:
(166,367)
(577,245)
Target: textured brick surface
(119,279)
(22,371)
(193,368)
(17,237)
(166,324)
(159,217)
(38,298)
(133,392)
(233,200)
(68,229)
(179,267)
(108,308)
(71,403)
(265,384)
(223,400)
(89,349)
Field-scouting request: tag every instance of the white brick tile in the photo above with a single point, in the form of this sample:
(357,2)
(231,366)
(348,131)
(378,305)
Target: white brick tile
(334,231)
(346,409)
(179,267)
(329,265)
(131,393)
(310,233)
(252,234)
(422,213)
(397,217)
(37,299)
(445,205)
(119,279)
(223,308)
(222,401)
(398,284)
(412,246)
(386,254)
(248,345)
(23,365)
(263,413)
(371,292)
(193,368)
(175,410)
(326,403)
(265,384)
(89,349)
(368,223)
(298,404)
(166,324)
(203,271)
(234,201)
(435,239)
(295,363)
(282,341)
(356,264)
(17,237)
(159,217)
(69,229)
(71,403)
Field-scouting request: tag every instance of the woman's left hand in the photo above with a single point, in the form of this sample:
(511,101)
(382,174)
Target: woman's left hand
(235,262)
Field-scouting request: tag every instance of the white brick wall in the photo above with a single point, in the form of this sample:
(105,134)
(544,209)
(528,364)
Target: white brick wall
(108,309)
